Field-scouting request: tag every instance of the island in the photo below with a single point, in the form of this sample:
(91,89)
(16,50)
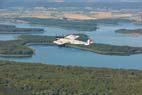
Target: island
(93,47)
(12,29)
(130,31)
(78,25)
(42,79)
(20,47)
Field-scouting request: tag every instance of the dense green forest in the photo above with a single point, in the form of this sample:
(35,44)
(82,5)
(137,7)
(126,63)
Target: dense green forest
(40,79)
(15,48)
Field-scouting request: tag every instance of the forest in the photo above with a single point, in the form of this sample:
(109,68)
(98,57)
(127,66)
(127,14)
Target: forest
(42,79)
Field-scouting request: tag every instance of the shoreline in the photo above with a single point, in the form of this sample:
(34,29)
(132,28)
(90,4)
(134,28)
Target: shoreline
(21,32)
(28,40)
(14,55)
(85,49)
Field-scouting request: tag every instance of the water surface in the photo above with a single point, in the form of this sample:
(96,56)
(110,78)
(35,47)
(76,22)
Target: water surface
(68,56)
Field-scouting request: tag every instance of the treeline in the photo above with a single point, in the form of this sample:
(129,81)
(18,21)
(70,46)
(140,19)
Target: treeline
(13,29)
(37,39)
(79,25)
(15,48)
(129,31)
(41,79)
(107,49)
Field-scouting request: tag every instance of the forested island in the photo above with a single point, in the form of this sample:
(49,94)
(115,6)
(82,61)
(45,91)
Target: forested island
(79,25)
(41,79)
(95,47)
(19,47)
(12,29)
(130,31)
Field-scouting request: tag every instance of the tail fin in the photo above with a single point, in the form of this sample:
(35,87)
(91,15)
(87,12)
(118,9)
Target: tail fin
(89,41)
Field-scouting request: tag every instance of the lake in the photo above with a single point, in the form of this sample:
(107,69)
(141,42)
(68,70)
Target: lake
(75,57)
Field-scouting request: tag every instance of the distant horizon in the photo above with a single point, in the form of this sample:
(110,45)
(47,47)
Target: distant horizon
(72,3)
(106,1)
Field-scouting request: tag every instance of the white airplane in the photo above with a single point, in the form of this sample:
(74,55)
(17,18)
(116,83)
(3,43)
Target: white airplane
(71,39)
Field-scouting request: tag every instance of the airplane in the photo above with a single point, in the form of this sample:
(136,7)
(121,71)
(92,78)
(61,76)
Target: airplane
(72,39)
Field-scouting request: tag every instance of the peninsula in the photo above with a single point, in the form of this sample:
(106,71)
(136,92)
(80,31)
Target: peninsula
(130,31)
(12,29)
(19,47)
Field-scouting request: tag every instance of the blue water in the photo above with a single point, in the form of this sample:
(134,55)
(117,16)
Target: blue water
(68,56)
